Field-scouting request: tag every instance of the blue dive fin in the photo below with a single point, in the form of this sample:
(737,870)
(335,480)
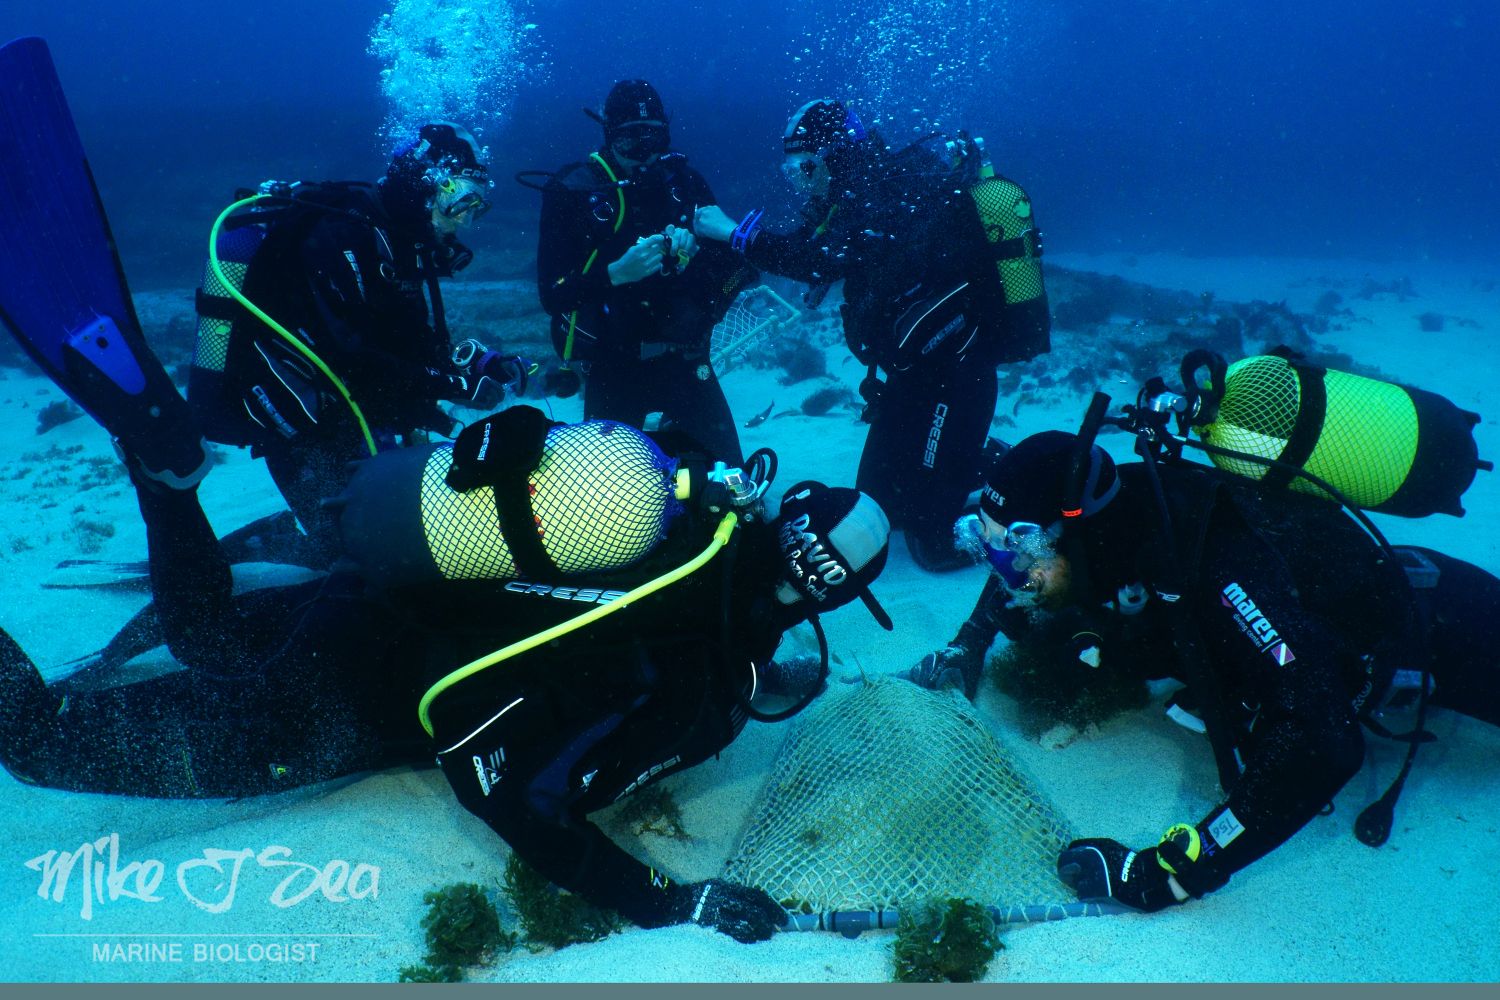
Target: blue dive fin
(62,290)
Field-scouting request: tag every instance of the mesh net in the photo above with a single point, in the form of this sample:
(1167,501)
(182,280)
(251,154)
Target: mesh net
(1005,212)
(603,496)
(1262,401)
(753,317)
(235,248)
(1363,412)
(893,793)
(463,529)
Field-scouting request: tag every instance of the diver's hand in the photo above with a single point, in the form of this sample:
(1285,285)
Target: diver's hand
(682,246)
(561,382)
(957,666)
(744,912)
(647,257)
(1099,868)
(710,223)
(1172,872)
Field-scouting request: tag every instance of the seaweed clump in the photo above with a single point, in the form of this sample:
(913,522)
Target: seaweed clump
(463,929)
(551,917)
(654,810)
(953,942)
(1053,688)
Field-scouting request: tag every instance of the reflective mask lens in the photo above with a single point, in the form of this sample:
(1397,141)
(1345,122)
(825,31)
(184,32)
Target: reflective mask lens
(460,200)
(641,142)
(801,170)
(1014,549)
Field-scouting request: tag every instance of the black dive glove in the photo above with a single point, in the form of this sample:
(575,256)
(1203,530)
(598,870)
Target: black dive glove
(957,666)
(743,912)
(1099,868)
(462,388)
(561,382)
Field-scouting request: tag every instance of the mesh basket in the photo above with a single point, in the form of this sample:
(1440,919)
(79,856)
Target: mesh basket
(753,317)
(893,793)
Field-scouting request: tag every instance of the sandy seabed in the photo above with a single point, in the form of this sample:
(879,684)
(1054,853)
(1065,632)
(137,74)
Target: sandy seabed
(363,850)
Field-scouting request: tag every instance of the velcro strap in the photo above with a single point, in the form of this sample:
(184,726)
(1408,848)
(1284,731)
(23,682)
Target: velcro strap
(501,452)
(1312,408)
(1016,247)
(218,306)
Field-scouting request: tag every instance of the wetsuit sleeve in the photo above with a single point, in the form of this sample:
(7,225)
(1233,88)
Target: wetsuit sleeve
(1305,741)
(809,253)
(571,273)
(989,619)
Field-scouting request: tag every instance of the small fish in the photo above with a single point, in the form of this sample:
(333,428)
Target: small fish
(761,417)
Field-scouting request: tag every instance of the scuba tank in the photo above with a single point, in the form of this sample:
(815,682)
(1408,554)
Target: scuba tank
(518,495)
(1385,447)
(596,496)
(218,410)
(237,236)
(1015,242)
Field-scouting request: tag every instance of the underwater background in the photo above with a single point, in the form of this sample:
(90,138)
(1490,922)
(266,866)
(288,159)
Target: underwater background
(1324,128)
(1324,172)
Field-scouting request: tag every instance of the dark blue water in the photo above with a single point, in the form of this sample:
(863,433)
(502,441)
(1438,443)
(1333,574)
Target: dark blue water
(1334,127)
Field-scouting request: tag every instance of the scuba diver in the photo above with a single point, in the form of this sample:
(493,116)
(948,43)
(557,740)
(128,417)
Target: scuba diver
(632,295)
(321,333)
(1291,621)
(301,683)
(940,259)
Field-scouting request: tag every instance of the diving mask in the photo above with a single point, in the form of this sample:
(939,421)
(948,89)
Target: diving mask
(805,172)
(1011,550)
(460,199)
(641,142)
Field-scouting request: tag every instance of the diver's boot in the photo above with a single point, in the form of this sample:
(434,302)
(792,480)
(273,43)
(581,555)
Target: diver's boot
(936,552)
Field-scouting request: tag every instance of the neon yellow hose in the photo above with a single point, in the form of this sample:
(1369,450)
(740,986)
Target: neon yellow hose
(260,314)
(567,355)
(720,539)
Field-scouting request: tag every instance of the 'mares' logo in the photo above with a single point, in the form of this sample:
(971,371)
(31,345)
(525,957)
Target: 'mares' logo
(1256,626)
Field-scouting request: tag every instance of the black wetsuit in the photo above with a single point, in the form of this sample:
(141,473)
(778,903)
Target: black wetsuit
(356,285)
(1302,622)
(645,343)
(293,685)
(899,229)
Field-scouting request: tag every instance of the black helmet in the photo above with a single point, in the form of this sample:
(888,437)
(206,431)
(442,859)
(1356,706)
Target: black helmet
(440,151)
(635,119)
(1031,482)
(834,542)
(822,126)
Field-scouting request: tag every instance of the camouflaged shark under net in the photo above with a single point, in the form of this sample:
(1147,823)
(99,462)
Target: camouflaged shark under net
(891,794)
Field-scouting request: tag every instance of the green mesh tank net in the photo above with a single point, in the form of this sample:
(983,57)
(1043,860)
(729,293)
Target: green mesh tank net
(1005,212)
(892,793)
(603,496)
(1365,446)
(212,347)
